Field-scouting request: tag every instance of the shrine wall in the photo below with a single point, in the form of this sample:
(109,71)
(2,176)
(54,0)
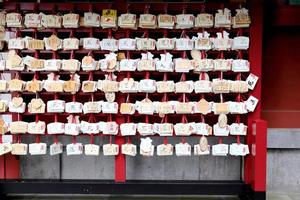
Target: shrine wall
(281,108)
(138,167)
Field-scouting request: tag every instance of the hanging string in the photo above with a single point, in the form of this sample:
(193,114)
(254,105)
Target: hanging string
(110,139)
(202,54)
(91,32)
(90,76)
(90,7)
(128,8)
(37,139)
(202,118)
(72,54)
(240,32)
(128,140)
(92,139)
(146,119)
(146,10)
(220,140)
(74,141)
(184,54)
(127,119)
(183,140)
(238,139)
(165,77)
(36,54)
(53,9)
(165,140)
(184,7)
(36,118)
(19,138)
(55,139)
(166,8)
(55,96)
(55,118)
(128,75)
(202,8)
(109,35)
(92,97)
(35,76)
(240,54)
(165,98)
(147,76)
(165,33)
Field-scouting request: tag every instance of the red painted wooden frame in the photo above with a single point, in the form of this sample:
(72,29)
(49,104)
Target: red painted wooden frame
(254,165)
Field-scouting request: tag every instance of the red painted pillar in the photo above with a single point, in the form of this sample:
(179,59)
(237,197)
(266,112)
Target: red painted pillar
(2,167)
(12,167)
(259,155)
(120,162)
(120,159)
(255,58)
(255,163)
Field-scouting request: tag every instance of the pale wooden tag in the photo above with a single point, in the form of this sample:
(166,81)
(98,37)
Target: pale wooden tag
(17,101)
(88,86)
(222,120)
(121,56)
(110,96)
(203,143)
(54,42)
(37,64)
(70,86)
(36,44)
(203,106)
(87,60)
(221,108)
(34,86)
(15,85)
(3,106)
(3,127)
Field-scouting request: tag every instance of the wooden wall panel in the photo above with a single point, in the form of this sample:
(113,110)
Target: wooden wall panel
(281,78)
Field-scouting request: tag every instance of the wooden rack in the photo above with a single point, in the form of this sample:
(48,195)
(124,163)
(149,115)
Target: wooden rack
(253,183)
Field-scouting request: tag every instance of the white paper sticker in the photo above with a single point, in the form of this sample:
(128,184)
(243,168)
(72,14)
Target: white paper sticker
(56,148)
(5,148)
(251,103)
(74,149)
(251,81)
(37,148)
(7,138)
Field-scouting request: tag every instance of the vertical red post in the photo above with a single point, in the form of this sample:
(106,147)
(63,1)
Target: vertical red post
(259,155)
(120,162)
(255,58)
(12,167)
(2,167)
(120,159)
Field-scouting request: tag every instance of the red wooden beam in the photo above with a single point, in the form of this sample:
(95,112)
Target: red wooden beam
(2,167)
(120,159)
(259,155)
(12,167)
(255,57)
(287,15)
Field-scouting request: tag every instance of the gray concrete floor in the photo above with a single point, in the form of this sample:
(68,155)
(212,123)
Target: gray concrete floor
(270,196)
